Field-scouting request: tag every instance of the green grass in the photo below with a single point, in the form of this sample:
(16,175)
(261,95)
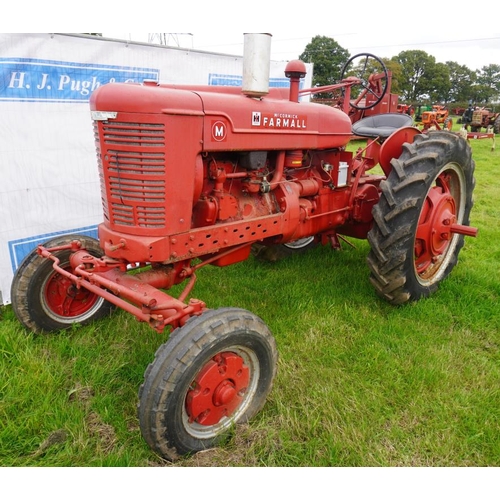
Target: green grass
(360,382)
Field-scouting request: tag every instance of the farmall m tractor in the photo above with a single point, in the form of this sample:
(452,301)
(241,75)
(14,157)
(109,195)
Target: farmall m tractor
(197,175)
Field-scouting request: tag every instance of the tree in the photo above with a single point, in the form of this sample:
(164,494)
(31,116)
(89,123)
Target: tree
(328,58)
(421,76)
(416,76)
(438,82)
(488,84)
(461,81)
(396,71)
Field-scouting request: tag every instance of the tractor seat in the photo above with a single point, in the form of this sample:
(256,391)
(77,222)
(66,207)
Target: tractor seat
(382,125)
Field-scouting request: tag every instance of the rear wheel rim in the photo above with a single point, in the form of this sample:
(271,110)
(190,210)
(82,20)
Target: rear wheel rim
(434,240)
(300,243)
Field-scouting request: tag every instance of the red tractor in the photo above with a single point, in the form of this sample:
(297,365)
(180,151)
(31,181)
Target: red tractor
(485,118)
(197,175)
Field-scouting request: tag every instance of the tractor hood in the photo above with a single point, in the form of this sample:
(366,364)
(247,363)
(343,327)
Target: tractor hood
(232,120)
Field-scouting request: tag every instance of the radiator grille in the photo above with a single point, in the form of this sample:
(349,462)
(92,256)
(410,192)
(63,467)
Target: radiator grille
(133,173)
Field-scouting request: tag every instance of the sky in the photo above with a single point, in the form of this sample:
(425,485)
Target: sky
(464,32)
(472,49)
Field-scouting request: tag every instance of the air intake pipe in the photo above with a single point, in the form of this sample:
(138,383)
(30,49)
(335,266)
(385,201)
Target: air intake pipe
(256,64)
(295,70)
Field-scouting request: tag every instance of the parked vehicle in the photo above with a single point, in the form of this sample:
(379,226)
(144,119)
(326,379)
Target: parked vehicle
(197,175)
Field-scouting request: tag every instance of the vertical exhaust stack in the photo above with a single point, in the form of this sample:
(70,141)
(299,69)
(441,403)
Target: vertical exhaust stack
(256,64)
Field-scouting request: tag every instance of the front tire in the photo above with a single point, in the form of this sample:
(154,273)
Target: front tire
(45,301)
(428,190)
(213,373)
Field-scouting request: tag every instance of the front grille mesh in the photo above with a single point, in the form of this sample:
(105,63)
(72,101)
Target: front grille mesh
(133,173)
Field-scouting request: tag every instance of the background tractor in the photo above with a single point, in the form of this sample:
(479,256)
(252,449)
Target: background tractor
(438,118)
(485,118)
(195,175)
(419,109)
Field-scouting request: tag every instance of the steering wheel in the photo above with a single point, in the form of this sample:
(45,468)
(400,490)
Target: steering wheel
(373,79)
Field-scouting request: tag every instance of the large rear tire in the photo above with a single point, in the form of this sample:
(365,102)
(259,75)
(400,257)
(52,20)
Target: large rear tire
(45,301)
(213,373)
(429,189)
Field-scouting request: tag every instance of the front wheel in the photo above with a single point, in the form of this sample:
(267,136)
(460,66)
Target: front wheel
(421,217)
(44,300)
(213,373)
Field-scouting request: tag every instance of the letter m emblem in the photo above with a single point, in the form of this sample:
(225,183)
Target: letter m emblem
(219,131)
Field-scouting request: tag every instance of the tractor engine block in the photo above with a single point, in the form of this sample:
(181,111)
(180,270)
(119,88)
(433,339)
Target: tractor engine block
(197,170)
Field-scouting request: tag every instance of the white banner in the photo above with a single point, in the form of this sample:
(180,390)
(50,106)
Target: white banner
(49,182)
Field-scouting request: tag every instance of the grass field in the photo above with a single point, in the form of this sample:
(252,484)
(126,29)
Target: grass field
(360,382)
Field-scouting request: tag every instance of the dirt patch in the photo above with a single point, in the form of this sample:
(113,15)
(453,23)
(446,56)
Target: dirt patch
(104,432)
(239,451)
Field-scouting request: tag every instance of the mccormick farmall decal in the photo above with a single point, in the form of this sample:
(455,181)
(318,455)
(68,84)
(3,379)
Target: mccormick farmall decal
(278,120)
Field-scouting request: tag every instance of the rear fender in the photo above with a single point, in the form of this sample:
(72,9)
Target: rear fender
(393,146)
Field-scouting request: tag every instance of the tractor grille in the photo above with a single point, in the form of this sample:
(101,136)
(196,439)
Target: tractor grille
(132,173)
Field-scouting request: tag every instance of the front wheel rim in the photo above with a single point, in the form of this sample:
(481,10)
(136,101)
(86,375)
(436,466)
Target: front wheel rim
(221,392)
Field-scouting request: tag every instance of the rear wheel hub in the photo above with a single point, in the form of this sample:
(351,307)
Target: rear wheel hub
(434,230)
